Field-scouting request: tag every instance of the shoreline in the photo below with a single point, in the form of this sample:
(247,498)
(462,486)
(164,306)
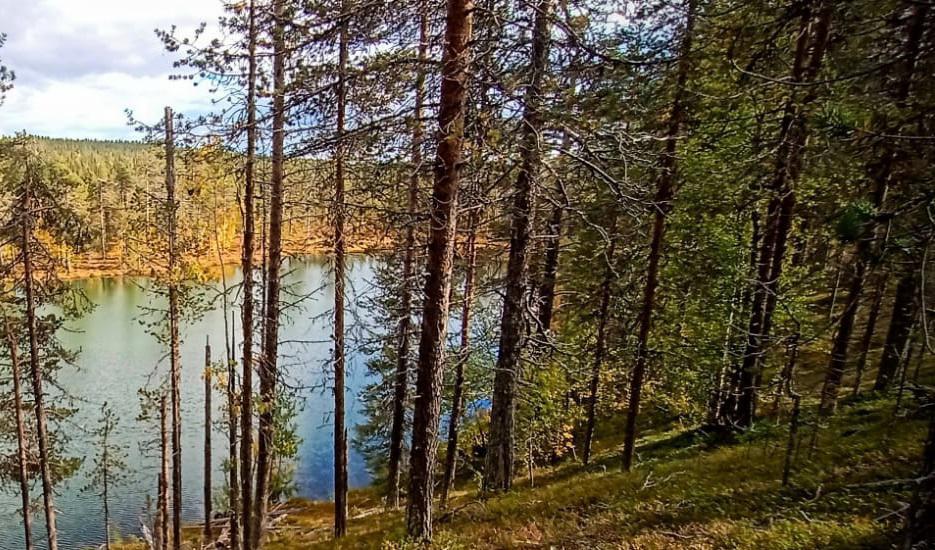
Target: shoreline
(91,265)
(96,267)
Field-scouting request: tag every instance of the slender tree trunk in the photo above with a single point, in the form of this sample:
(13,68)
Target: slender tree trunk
(717,388)
(905,360)
(550,269)
(174,353)
(899,331)
(340,433)
(163,505)
(443,216)
(401,382)
(35,365)
(728,405)
(246,308)
(869,331)
(834,292)
(498,471)
(208,536)
(100,200)
(863,255)
(21,442)
(464,353)
(268,368)
(813,36)
(662,204)
(105,496)
(793,435)
(232,423)
(600,346)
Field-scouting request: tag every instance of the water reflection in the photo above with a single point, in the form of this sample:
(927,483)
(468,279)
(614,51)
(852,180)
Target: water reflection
(118,357)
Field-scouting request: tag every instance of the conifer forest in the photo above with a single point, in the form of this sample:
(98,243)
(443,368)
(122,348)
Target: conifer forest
(453,274)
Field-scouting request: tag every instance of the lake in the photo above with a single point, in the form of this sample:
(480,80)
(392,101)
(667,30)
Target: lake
(117,357)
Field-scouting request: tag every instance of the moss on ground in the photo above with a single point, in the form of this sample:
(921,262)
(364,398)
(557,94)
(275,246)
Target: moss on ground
(691,489)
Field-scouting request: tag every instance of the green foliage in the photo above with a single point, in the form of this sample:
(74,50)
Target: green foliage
(852,221)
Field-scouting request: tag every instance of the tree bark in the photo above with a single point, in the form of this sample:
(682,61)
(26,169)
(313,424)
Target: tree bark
(464,353)
(246,308)
(340,434)
(864,250)
(174,353)
(401,382)
(725,408)
(443,216)
(600,346)
(813,36)
(869,331)
(498,471)
(163,497)
(21,442)
(35,364)
(899,330)
(208,536)
(550,270)
(268,368)
(662,203)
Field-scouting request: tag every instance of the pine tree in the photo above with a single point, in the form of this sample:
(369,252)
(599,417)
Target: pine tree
(443,216)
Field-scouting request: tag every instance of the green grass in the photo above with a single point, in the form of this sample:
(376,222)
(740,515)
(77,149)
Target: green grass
(689,490)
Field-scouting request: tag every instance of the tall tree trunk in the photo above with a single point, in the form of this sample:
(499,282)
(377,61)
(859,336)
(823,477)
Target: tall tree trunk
(246,308)
(268,368)
(401,381)
(727,405)
(869,331)
(21,442)
(207,475)
(35,363)
(662,204)
(899,331)
(498,471)
(163,497)
(229,343)
(464,353)
(864,252)
(600,346)
(550,270)
(443,216)
(813,36)
(340,432)
(174,353)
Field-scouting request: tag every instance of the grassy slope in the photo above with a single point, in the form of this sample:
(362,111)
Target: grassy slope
(686,493)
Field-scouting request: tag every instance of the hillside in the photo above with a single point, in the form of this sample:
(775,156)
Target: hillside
(690,490)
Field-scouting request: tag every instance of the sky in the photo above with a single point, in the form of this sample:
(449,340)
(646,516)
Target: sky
(80,64)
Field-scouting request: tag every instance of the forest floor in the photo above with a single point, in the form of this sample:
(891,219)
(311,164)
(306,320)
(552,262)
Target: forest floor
(691,489)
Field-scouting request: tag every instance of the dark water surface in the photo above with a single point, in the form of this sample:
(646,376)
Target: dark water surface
(117,357)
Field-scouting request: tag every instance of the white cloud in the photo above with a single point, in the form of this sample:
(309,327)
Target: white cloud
(93,106)
(81,63)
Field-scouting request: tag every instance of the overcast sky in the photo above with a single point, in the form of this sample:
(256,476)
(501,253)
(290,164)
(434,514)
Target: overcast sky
(80,63)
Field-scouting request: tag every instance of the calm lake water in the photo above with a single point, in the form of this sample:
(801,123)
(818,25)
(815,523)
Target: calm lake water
(117,357)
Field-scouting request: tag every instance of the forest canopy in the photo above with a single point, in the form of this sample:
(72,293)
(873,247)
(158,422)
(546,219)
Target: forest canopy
(593,222)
